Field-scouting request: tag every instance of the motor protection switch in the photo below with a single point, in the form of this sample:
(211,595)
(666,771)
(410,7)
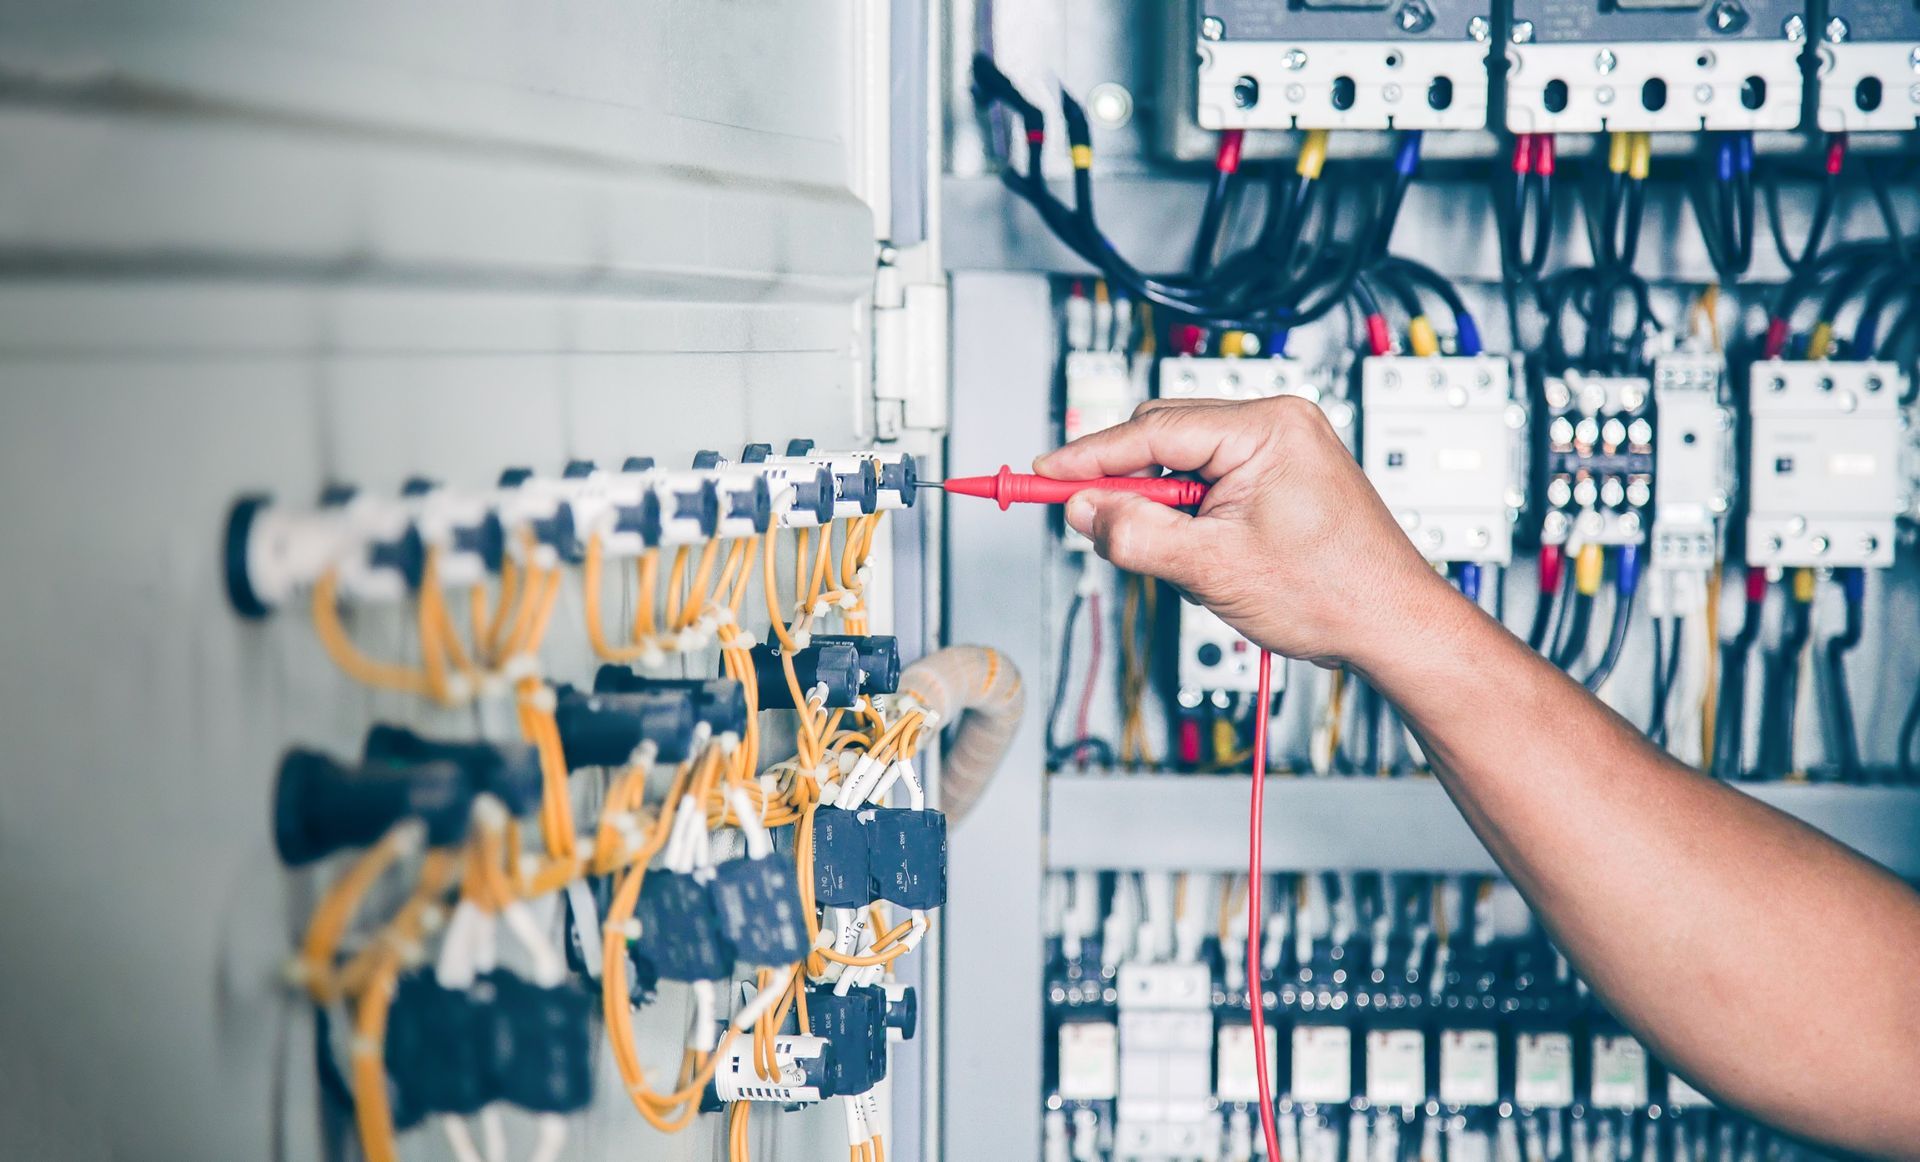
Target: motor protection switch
(1824,479)
(1677,66)
(1364,64)
(842,668)
(800,492)
(1444,443)
(895,854)
(719,704)
(609,730)
(321,805)
(370,544)
(1865,62)
(1693,445)
(1236,378)
(1598,463)
(854,1025)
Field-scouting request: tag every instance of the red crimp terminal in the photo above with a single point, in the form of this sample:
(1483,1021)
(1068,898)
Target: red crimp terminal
(1523,154)
(1756,586)
(1776,338)
(1189,741)
(1007,488)
(1036,137)
(1551,560)
(1379,339)
(1543,155)
(1227,159)
(1836,154)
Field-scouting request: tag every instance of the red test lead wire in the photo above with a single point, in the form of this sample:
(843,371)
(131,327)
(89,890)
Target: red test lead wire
(1007,488)
(1256,993)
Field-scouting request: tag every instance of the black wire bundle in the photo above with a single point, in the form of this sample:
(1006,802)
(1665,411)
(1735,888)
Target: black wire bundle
(1730,718)
(1279,282)
(1078,749)
(1839,696)
(1780,691)
(1616,638)
(1723,203)
(1570,637)
(1666,670)
(1550,602)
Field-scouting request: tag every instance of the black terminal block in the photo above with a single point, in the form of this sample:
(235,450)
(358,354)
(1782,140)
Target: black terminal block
(853,1025)
(834,665)
(679,933)
(841,867)
(720,704)
(437,1051)
(907,856)
(321,806)
(861,485)
(758,905)
(510,773)
(603,730)
(879,656)
(541,1051)
(902,477)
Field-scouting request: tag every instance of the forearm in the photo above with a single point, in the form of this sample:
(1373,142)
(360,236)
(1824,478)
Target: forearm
(1729,935)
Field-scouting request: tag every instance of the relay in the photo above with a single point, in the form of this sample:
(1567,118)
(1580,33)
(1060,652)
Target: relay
(719,704)
(679,934)
(758,906)
(907,850)
(840,859)
(604,730)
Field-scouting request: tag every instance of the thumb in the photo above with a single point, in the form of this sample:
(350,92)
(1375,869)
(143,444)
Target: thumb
(1136,534)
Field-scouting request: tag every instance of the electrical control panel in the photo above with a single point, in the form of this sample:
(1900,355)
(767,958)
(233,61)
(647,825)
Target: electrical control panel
(1868,67)
(1694,448)
(1824,472)
(1581,66)
(1370,64)
(1599,462)
(1214,658)
(1444,442)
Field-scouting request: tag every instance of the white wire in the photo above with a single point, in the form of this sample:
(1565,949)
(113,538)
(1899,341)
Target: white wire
(460,1138)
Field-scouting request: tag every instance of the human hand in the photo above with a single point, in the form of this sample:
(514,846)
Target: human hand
(1292,546)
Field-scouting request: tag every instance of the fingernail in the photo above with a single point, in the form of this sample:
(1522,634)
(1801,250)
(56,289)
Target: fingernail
(1080,513)
(1042,458)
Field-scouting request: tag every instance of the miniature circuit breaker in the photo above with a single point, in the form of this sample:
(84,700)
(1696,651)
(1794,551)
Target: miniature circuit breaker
(1869,67)
(1599,460)
(1165,1109)
(1693,445)
(1584,66)
(1824,478)
(1444,442)
(1206,377)
(1344,64)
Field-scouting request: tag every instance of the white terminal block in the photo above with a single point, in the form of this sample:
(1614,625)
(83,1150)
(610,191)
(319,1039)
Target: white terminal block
(456,526)
(895,474)
(1101,392)
(1408,83)
(1323,1064)
(1469,1067)
(542,501)
(1164,1107)
(1089,1061)
(1825,480)
(1619,1075)
(1235,1078)
(1871,85)
(1214,658)
(1444,442)
(1396,1067)
(1543,1070)
(287,550)
(1679,86)
(1693,446)
(1164,986)
(802,1065)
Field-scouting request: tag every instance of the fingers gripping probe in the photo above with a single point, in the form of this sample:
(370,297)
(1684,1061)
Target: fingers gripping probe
(1007,488)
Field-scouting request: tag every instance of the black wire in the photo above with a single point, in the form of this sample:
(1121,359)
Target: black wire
(1730,730)
(1211,215)
(1060,754)
(1616,638)
(1840,698)
(1666,670)
(1567,651)
(1909,730)
(1543,612)
(1780,688)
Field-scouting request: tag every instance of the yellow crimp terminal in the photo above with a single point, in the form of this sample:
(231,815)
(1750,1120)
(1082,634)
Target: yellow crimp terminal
(1618,148)
(1082,157)
(1233,343)
(1421,337)
(1313,155)
(1803,582)
(1820,342)
(1588,568)
(1641,159)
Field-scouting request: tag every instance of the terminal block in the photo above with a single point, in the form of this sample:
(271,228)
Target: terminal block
(1694,447)
(1584,66)
(1599,460)
(1824,481)
(1344,64)
(1165,1106)
(1207,377)
(1444,442)
(1869,67)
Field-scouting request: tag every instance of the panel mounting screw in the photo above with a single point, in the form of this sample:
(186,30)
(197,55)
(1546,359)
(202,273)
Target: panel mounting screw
(1604,62)
(1703,94)
(1837,31)
(1728,17)
(1213,28)
(1414,16)
(1794,28)
(1522,32)
(1479,29)
(1295,59)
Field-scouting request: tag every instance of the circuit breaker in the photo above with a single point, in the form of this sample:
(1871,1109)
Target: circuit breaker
(1694,447)
(1214,658)
(1581,66)
(1344,64)
(1599,463)
(1869,67)
(1444,442)
(1824,470)
(1166,1063)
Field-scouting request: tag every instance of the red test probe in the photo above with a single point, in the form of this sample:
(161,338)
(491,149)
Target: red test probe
(1007,488)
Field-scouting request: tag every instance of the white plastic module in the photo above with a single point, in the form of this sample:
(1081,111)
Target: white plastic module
(1213,655)
(1165,1103)
(1681,86)
(1444,442)
(1089,1061)
(1209,377)
(1867,77)
(1824,478)
(1101,392)
(1396,1067)
(1437,83)
(1600,467)
(1619,1078)
(1543,1070)
(1693,448)
(1236,1080)
(1469,1067)
(1322,1063)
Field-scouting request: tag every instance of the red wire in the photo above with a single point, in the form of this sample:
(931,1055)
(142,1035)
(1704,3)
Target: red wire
(1255,863)
(1093,672)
